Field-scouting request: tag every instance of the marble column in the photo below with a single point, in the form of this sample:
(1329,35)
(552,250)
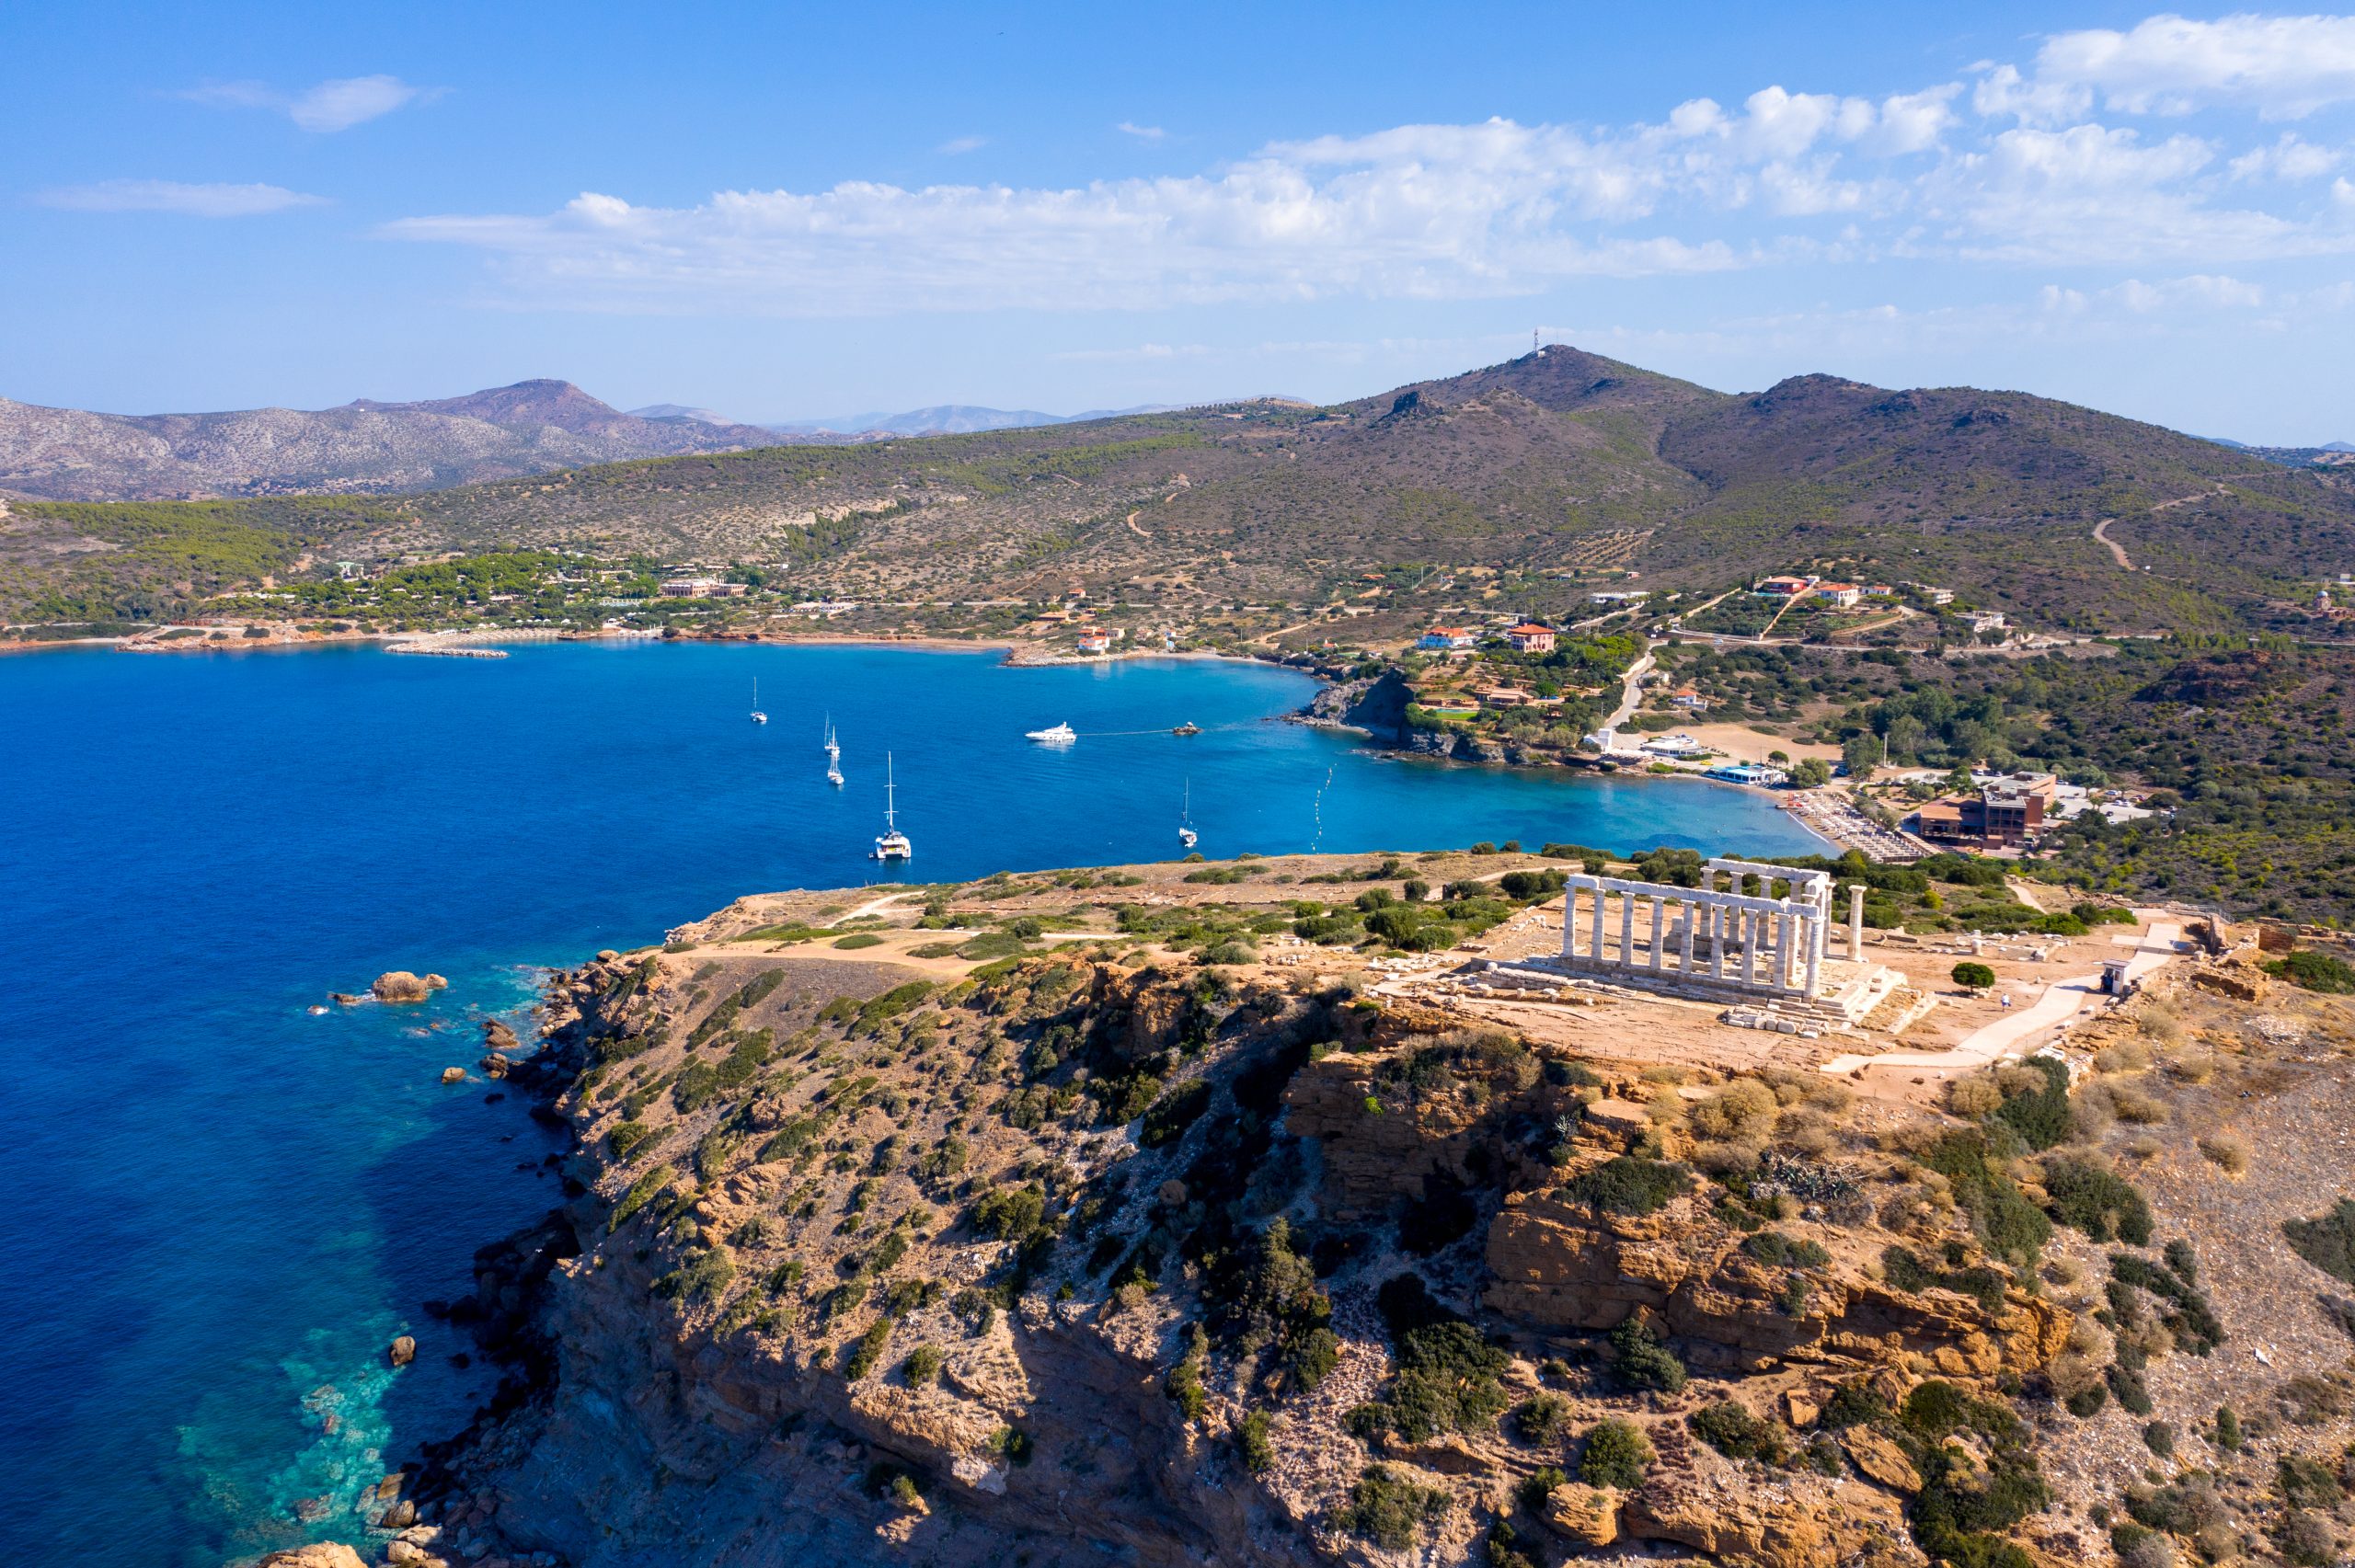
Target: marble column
(1594,931)
(1717,941)
(1660,935)
(1626,931)
(1689,911)
(1856,923)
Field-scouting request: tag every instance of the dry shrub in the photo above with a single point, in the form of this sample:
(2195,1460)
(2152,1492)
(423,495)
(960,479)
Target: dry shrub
(2071,1374)
(1805,1133)
(1726,1158)
(2130,1056)
(1671,1075)
(2228,1151)
(1977,1095)
(2136,1105)
(2090,1114)
(2064,1271)
(1742,1109)
(2149,1335)
(2020,1080)
(2143,1146)
(2161,1024)
(2193,1066)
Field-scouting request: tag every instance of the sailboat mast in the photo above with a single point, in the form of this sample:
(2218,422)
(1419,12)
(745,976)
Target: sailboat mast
(888,820)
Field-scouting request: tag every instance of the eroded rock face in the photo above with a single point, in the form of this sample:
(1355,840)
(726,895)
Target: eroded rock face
(1556,1264)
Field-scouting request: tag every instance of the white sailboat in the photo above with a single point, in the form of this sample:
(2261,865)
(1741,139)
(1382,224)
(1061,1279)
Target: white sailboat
(834,755)
(891,843)
(1186,834)
(758,717)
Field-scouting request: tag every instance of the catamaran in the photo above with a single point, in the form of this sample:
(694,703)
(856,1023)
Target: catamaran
(1060,735)
(758,717)
(1186,834)
(834,755)
(891,843)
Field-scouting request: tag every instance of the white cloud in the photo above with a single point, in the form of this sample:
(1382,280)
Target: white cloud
(2008,173)
(1140,353)
(2284,67)
(1141,132)
(958,146)
(2291,158)
(336,105)
(171,196)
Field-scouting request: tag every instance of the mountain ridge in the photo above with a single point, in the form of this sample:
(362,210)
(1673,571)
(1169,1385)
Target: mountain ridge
(364,446)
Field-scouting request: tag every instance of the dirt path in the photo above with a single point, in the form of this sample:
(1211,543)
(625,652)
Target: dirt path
(2008,1035)
(2117,551)
(1131,521)
(872,907)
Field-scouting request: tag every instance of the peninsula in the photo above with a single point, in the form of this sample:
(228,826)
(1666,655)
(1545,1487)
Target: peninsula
(1349,1209)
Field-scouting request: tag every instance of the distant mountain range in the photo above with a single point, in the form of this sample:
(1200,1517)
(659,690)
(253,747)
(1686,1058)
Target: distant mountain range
(948,419)
(504,433)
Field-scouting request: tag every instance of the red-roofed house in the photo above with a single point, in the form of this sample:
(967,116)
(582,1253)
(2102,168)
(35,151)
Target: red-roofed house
(1844,595)
(1529,637)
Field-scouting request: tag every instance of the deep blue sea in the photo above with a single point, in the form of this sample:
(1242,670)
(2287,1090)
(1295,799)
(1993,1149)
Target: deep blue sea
(216,1209)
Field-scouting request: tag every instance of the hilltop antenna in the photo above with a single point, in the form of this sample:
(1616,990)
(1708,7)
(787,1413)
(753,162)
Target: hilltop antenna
(1533,339)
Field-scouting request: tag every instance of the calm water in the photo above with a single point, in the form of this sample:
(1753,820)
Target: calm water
(219,1208)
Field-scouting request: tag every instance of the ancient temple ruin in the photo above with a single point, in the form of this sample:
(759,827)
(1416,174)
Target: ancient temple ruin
(1735,939)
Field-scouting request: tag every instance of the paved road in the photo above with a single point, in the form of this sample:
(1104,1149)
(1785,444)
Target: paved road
(2006,1035)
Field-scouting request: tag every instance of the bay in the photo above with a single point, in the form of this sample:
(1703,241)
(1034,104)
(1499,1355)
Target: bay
(221,1208)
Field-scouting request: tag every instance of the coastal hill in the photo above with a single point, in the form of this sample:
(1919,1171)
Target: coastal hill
(365,446)
(1559,463)
(1135,1215)
(1559,460)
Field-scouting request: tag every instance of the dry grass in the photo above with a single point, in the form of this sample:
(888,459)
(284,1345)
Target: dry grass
(2228,1151)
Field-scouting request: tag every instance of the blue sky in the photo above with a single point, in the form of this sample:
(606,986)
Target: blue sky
(778,212)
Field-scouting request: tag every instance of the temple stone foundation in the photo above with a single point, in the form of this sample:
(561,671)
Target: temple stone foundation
(1739,943)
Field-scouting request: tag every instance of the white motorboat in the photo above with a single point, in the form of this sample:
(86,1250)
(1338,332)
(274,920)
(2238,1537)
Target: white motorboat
(1060,735)
(890,844)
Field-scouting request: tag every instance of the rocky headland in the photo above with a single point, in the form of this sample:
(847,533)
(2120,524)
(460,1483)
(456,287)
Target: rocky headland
(925,1236)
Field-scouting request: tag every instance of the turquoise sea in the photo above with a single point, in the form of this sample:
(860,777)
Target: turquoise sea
(216,1208)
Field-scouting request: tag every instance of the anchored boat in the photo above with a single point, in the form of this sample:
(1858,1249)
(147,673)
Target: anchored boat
(891,843)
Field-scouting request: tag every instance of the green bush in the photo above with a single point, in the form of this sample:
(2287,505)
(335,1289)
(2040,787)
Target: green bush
(1773,1247)
(1168,1118)
(1542,1419)
(1616,1454)
(2092,1199)
(1538,1486)
(1011,1213)
(2310,970)
(869,1351)
(1640,1360)
(1446,1378)
(1259,1450)
(858,939)
(1972,975)
(1387,1509)
(1735,1433)
(2040,1116)
(1629,1185)
(2327,1241)
(923,1366)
